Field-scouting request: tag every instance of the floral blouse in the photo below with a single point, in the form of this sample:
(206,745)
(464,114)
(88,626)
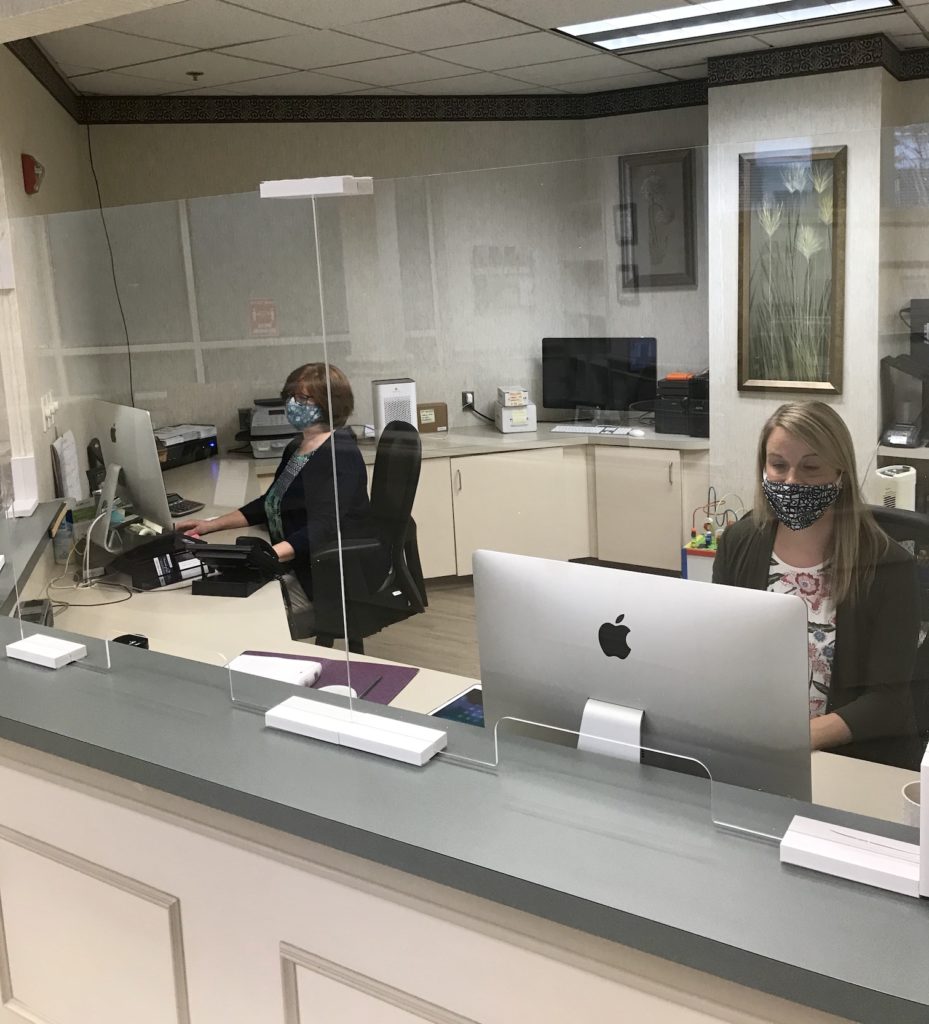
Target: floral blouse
(812,585)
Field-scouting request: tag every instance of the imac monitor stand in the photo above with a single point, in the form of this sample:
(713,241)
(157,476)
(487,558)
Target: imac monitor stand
(720,673)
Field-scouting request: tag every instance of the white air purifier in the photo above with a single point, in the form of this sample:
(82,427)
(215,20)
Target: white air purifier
(393,400)
(893,487)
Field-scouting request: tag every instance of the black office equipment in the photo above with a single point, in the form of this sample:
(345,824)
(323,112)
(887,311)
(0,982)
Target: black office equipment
(683,406)
(912,530)
(158,561)
(383,576)
(904,399)
(241,568)
(613,374)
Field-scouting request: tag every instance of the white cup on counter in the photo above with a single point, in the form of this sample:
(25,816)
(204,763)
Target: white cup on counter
(911,803)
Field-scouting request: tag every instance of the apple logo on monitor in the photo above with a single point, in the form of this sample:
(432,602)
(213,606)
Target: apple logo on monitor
(612,639)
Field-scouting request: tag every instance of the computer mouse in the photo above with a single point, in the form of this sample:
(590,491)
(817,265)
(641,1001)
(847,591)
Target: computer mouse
(636,432)
(339,691)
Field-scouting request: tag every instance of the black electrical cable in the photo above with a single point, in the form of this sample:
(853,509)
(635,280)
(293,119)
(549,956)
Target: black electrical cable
(482,416)
(109,246)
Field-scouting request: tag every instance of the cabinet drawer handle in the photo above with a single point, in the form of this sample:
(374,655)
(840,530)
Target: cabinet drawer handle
(670,468)
(458,479)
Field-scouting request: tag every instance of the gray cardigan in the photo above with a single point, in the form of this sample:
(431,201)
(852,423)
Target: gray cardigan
(875,645)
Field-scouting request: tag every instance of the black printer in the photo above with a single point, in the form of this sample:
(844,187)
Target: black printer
(683,405)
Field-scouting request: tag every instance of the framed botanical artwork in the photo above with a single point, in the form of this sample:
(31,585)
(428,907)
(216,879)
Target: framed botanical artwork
(657,236)
(792,270)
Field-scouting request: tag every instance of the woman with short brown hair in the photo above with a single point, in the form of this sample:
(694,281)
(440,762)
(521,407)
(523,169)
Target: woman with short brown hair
(320,488)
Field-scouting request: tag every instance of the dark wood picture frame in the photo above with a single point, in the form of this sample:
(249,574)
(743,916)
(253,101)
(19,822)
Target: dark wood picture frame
(659,189)
(792,210)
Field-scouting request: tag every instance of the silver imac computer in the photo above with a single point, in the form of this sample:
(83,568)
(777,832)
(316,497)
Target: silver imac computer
(720,673)
(127,439)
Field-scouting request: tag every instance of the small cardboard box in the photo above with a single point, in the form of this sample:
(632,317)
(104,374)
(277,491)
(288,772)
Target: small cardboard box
(432,417)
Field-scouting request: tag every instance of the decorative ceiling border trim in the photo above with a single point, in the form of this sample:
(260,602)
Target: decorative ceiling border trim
(220,109)
(874,51)
(855,54)
(28,53)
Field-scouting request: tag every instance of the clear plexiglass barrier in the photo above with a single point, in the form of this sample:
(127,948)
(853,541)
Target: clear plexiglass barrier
(341,400)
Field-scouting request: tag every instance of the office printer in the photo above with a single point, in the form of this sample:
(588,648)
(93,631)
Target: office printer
(184,443)
(269,430)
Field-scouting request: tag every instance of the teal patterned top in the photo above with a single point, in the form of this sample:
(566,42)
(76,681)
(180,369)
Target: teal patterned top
(276,493)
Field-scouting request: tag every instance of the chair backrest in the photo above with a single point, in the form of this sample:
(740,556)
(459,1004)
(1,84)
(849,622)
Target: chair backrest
(913,527)
(396,477)
(902,525)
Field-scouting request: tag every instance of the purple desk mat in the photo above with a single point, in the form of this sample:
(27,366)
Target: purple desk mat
(377,683)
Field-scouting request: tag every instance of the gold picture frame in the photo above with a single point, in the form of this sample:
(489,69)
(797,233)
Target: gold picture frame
(792,209)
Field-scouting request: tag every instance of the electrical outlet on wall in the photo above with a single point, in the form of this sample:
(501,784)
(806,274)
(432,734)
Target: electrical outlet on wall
(467,399)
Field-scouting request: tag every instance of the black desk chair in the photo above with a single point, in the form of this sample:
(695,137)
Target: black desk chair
(911,529)
(383,575)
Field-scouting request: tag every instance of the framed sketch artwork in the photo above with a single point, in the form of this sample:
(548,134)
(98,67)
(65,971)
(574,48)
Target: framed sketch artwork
(654,222)
(792,270)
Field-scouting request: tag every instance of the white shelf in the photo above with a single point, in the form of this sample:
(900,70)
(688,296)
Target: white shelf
(903,454)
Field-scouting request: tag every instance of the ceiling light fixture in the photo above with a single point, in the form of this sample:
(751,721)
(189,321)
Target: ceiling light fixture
(714,18)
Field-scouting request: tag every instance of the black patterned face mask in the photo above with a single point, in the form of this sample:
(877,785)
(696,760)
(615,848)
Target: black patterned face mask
(798,506)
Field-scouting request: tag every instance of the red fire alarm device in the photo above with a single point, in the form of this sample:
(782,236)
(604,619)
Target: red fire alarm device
(33,173)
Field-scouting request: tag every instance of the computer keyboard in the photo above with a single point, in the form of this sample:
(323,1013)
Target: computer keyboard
(179,506)
(589,428)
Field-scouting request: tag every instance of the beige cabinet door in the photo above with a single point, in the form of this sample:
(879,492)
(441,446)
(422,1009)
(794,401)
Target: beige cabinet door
(639,506)
(527,503)
(435,527)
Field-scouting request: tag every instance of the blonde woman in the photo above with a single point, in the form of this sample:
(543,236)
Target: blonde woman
(810,534)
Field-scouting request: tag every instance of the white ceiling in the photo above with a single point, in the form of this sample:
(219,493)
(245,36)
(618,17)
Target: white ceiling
(423,47)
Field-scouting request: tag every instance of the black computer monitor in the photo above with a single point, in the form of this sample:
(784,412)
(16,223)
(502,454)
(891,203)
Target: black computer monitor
(606,373)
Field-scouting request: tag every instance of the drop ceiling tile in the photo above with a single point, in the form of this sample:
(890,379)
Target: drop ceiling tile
(513,51)
(200,23)
(577,69)
(437,26)
(113,83)
(100,49)
(921,15)
(618,82)
(70,70)
(378,90)
(411,67)
(300,83)
(216,68)
(679,56)
(844,29)
(482,83)
(691,71)
(553,13)
(330,13)
(538,90)
(313,49)
(915,41)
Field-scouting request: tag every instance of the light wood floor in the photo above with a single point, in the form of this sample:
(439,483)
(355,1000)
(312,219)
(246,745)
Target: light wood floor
(444,637)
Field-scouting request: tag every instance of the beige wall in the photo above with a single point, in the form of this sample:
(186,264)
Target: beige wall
(826,110)
(411,300)
(32,122)
(182,161)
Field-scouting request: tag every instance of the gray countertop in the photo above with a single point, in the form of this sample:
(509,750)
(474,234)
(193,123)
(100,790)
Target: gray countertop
(22,542)
(621,851)
(483,439)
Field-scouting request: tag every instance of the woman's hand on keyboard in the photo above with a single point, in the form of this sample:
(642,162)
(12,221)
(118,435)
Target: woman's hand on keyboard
(195,527)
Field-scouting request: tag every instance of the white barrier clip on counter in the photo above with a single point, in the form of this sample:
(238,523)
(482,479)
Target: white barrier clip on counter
(863,856)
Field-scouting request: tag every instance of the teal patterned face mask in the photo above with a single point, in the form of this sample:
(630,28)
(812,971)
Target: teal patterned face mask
(301,415)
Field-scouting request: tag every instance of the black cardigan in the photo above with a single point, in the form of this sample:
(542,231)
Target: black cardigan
(875,643)
(308,506)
